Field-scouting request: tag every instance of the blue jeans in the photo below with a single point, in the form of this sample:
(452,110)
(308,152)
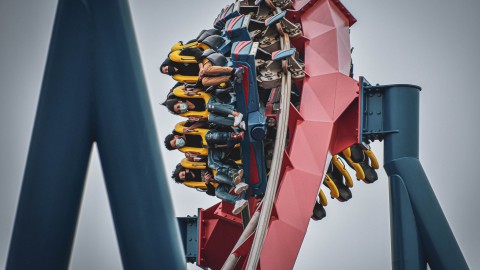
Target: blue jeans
(216,162)
(222,192)
(220,120)
(219,112)
(218,108)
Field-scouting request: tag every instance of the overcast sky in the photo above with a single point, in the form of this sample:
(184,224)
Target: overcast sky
(430,43)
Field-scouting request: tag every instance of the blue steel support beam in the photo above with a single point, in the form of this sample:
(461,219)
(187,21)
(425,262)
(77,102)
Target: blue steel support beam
(94,91)
(243,54)
(419,229)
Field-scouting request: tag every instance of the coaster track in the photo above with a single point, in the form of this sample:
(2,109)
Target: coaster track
(320,125)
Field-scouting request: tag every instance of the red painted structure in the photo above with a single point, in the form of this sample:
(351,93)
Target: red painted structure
(326,123)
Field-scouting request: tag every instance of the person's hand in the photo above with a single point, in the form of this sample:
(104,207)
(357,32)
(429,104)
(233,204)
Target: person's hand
(208,177)
(186,130)
(201,72)
(189,93)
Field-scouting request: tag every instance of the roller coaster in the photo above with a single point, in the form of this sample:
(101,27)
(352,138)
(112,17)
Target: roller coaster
(305,121)
(306,118)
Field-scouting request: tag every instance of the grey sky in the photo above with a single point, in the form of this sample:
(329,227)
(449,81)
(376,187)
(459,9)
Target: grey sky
(429,43)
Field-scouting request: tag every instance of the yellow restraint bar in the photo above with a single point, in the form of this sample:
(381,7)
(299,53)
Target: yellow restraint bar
(373,159)
(180,46)
(358,169)
(323,198)
(184,78)
(339,165)
(334,193)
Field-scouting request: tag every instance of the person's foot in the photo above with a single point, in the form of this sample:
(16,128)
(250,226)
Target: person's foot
(239,206)
(236,177)
(240,172)
(237,119)
(241,187)
(242,125)
(238,74)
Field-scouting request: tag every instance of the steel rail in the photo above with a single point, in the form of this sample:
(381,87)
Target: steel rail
(232,259)
(273,179)
(263,215)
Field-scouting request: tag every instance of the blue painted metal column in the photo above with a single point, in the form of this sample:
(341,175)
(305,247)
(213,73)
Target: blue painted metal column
(94,91)
(400,143)
(419,229)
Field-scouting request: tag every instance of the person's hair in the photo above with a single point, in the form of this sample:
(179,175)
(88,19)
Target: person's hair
(167,141)
(161,68)
(176,172)
(169,103)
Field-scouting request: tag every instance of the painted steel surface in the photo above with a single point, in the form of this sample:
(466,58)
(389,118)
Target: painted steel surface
(328,121)
(417,219)
(325,124)
(327,94)
(93,91)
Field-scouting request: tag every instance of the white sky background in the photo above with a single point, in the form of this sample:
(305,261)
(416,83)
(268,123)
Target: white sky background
(430,43)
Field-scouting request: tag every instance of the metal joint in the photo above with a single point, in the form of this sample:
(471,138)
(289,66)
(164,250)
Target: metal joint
(371,112)
(189,232)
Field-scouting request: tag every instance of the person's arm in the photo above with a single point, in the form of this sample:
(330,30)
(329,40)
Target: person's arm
(208,177)
(194,157)
(192,92)
(202,71)
(195,125)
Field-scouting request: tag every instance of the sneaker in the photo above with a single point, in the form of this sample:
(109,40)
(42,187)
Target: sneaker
(239,74)
(237,119)
(241,187)
(239,205)
(240,173)
(242,125)
(236,178)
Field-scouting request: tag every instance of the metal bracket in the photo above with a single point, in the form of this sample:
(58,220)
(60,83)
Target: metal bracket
(189,233)
(296,67)
(371,112)
(292,29)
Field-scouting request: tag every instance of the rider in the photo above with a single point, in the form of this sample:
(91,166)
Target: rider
(219,113)
(222,191)
(213,138)
(210,67)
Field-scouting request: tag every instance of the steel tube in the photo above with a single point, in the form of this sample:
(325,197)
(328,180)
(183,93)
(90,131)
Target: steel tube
(417,220)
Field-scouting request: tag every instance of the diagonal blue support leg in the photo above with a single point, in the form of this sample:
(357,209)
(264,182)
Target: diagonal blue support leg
(94,90)
(410,187)
(408,251)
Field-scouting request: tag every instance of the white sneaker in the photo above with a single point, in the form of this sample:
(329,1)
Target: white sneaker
(240,173)
(236,178)
(242,125)
(237,119)
(241,187)
(239,205)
